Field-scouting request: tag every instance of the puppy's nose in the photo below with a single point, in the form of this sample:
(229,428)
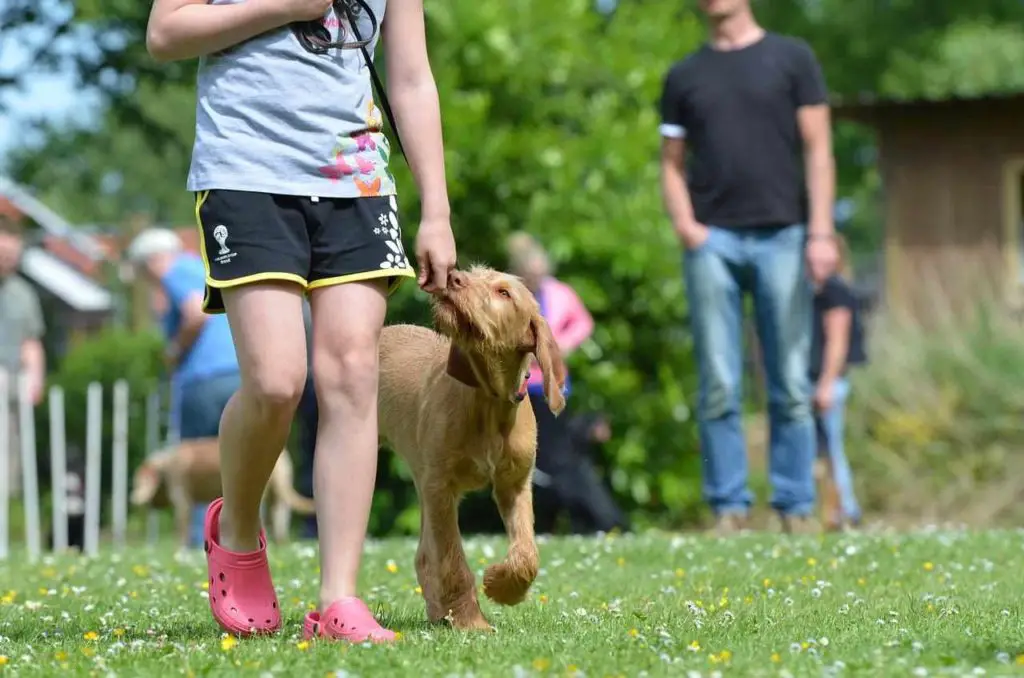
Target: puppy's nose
(457,280)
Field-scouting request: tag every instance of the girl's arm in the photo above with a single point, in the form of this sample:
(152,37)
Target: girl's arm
(413,93)
(836,323)
(578,326)
(185,29)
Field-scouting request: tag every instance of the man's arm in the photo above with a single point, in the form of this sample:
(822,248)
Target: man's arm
(192,321)
(33,357)
(815,123)
(412,89)
(674,191)
(185,29)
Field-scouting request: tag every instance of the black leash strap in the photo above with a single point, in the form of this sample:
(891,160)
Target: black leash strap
(315,38)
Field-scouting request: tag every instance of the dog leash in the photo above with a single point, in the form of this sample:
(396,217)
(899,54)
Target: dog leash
(316,39)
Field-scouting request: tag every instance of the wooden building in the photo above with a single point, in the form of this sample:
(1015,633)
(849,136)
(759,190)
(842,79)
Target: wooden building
(953,193)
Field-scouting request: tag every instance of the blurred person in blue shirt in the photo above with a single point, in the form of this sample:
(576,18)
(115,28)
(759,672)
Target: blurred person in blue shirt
(200,354)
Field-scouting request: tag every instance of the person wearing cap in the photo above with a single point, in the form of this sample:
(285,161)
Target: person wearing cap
(200,353)
(21,332)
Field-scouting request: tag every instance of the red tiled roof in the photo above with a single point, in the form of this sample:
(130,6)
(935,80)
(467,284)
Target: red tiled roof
(8,209)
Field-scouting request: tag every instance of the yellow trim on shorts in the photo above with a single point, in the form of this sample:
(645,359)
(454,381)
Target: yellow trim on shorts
(270,276)
(398,274)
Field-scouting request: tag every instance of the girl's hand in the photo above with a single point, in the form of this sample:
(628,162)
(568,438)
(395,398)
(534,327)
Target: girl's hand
(435,254)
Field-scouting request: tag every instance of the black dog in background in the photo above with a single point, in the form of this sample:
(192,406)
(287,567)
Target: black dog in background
(74,502)
(572,485)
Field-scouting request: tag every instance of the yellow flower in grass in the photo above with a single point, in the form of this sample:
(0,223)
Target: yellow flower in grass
(228,642)
(118,633)
(392,567)
(633,633)
(140,570)
(61,656)
(776,658)
(812,561)
(1019,661)
(694,646)
(8,598)
(91,635)
(541,664)
(3,659)
(680,573)
(928,567)
(302,645)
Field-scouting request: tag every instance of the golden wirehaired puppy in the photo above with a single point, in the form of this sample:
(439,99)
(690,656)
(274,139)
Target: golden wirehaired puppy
(454,408)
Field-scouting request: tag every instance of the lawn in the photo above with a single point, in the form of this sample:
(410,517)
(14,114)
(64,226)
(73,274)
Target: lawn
(931,603)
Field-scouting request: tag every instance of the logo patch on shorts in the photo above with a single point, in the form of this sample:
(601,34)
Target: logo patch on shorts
(224,254)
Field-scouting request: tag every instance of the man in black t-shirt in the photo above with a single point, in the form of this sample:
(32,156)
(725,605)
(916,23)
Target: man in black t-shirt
(748,180)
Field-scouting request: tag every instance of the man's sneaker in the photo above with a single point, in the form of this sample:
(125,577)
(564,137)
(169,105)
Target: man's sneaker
(728,524)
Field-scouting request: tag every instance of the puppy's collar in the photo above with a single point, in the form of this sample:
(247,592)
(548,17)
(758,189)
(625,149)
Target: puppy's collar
(463,369)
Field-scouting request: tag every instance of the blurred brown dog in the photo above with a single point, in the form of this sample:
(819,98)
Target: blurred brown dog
(189,473)
(454,408)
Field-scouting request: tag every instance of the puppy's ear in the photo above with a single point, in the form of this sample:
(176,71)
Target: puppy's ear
(542,344)
(145,486)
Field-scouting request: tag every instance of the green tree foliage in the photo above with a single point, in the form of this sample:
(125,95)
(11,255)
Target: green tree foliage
(971,59)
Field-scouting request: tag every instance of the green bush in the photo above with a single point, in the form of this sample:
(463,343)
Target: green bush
(934,428)
(105,358)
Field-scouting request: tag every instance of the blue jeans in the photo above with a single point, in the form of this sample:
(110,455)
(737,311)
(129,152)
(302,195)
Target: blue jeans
(201,405)
(769,264)
(832,422)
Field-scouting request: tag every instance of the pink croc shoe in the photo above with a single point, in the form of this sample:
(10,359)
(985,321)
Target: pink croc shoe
(242,597)
(346,619)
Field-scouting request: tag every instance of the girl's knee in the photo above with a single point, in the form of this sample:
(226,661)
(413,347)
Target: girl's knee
(277,388)
(350,370)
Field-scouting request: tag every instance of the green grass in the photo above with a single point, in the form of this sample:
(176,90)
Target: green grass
(940,603)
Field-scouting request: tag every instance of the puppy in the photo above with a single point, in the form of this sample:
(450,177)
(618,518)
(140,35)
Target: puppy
(189,473)
(454,408)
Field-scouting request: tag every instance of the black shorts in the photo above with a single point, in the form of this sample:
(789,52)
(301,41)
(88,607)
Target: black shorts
(314,242)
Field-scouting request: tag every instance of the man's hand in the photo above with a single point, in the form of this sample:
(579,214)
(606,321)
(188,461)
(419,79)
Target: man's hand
(172,356)
(35,390)
(822,256)
(824,395)
(692,235)
(435,254)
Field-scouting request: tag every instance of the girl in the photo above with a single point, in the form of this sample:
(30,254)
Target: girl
(837,342)
(294,197)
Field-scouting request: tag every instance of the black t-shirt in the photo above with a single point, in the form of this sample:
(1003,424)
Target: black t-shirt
(737,110)
(836,293)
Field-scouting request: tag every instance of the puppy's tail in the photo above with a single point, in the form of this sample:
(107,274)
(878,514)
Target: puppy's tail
(281,484)
(508,582)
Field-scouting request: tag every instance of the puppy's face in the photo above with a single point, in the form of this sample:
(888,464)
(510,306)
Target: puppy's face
(148,487)
(493,314)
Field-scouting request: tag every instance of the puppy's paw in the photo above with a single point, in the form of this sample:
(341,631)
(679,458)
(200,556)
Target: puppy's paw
(506,585)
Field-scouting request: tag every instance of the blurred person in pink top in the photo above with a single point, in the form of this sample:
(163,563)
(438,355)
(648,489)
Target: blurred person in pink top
(565,478)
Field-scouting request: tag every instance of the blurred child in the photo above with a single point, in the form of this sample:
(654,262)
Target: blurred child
(837,343)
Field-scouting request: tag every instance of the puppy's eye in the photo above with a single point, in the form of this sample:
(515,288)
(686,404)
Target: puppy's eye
(502,292)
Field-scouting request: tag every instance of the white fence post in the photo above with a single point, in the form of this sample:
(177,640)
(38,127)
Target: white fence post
(152,443)
(58,469)
(29,470)
(5,460)
(120,464)
(93,468)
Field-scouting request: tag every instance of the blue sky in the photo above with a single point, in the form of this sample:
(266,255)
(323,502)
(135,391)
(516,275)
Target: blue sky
(52,96)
